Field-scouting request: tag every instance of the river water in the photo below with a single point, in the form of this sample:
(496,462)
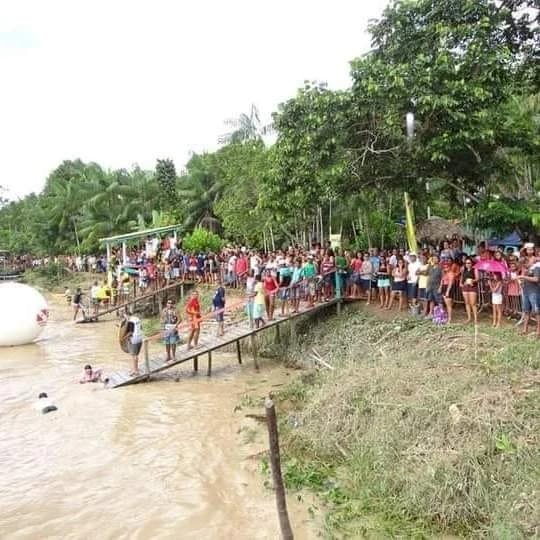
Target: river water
(169,459)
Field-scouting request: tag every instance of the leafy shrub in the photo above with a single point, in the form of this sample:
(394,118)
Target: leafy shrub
(202,240)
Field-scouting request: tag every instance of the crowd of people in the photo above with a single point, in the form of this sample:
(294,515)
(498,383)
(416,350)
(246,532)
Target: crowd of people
(427,283)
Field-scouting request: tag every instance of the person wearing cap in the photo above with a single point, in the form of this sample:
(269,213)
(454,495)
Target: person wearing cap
(530,284)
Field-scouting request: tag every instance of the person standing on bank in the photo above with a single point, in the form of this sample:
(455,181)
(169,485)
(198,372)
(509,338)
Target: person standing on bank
(134,337)
(193,310)
(169,321)
(218,305)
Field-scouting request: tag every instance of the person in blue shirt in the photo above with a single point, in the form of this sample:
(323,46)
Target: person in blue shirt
(218,305)
(376,262)
(296,284)
(201,260)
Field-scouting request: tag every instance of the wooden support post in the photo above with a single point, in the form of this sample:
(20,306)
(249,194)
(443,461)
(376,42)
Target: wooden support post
(209,371)
(278,334)
(195,363)
(275,463)
(181,291)
(339,307)
(254,350)
(238,351)
(146,358)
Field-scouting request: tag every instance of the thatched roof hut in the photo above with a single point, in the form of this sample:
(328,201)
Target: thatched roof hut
(437,229)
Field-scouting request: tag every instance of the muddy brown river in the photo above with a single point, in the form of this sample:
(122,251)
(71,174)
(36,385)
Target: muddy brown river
(168,459)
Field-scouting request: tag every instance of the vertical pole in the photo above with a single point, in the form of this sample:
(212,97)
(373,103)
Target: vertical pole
(238,351)
(254,351)
(278,334)
(209,371)
(339,308)
(277,479)
(108,256)
(146,357)
(195,363)
(181,291)
(124,253)
(338,283)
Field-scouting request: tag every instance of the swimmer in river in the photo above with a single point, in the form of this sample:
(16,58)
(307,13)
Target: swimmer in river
(44,405)
(91,375)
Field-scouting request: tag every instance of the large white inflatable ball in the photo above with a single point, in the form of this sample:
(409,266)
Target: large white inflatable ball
(23,314)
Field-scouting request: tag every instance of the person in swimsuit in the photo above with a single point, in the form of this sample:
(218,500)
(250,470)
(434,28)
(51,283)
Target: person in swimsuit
(169,321)
(193,310)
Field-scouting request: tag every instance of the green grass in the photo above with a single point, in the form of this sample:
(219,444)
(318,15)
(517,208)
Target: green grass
(418,432)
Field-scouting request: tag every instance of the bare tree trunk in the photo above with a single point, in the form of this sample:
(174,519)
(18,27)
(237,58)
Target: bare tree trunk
(329,218)
(321,231)
(272,238)
(389,217)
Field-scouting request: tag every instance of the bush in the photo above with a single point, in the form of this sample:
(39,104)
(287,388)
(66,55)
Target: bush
(202,240)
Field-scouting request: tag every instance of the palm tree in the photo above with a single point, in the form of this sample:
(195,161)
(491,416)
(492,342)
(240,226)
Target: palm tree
(199,191)
(247,127)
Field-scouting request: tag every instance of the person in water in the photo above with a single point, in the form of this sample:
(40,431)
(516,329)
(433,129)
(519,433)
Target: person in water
(44,405)
(169,323)
(91,375)
(193,310)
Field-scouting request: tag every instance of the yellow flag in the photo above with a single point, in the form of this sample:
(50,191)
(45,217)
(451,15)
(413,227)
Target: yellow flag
(409,226)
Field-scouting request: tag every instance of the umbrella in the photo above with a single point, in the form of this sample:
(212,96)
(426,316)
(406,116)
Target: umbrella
(492,265)
(513,239)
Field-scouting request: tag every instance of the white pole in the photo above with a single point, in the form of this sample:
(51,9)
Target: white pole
(124,252)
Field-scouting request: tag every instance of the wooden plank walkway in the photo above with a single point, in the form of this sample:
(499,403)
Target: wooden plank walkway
(234,333)
(112,309)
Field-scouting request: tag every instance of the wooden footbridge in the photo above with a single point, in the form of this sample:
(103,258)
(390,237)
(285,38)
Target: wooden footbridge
(157,298)
(234,334)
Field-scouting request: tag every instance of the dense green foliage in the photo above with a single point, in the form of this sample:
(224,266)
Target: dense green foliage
(468,71)
(202,240)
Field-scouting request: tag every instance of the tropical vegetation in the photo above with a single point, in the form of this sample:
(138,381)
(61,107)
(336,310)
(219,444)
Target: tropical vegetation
(465,71)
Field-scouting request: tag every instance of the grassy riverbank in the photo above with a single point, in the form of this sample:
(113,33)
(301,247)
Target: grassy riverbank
(413,433)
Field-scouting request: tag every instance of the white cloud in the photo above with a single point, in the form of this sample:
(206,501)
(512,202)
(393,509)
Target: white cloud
(125,81)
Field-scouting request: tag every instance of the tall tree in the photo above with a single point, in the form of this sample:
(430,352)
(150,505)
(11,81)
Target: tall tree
(166,179)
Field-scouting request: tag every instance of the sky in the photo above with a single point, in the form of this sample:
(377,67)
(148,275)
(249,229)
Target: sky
(124,82)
